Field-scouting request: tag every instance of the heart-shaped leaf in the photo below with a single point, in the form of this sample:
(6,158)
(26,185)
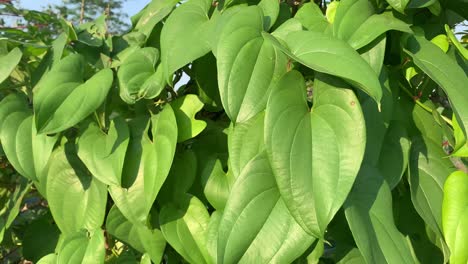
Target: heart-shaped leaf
(62,100)
(76,199)
(138,76)
(189,23)
(8,63)
(248,66)
(140,237)
(315,155)
(350,15)
(147,164)
(185,109)
(184,224)
(327,54)
(104,154)
(152,14)
(256,225)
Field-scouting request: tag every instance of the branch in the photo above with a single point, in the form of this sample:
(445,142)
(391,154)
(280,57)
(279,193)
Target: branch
(82,11)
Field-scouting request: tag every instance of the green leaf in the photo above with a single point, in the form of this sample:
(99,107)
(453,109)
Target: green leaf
(83,247)
(188,23)
(27,151)
(398,5)
(104,154)
(77,200)
(256,226)
(306,147)
(374,26)
(455,216)
(8,63)
(11,104)
(185,109)
(138,77)
(442,70)
(427,173)
(212,235)
(245,142)
(216,184)
(394,155)
(147,164)
(140,237)
(248,66)
(350,15)
(312,17)
(441,41)
(463,51)
(62,100)
(331,11)
(152,14)
(48,259)
(11,208)
(327,54)
(270,12)
(184,224)
(206,77)
(369,214)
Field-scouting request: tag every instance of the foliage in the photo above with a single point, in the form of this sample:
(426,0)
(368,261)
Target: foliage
(238,132)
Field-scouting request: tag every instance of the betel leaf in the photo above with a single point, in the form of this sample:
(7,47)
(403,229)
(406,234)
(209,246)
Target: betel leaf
(270,10)
(312,17)
(306,146)
(138,76)
(62,100)
(442,70)
(350,15)
(212,235)
(245,141)
(189,23)
(76,199)
(368,210)
(11,104)
(327,54)
(398,5)
(153,13)
(463,51)
(248,66)
(48,259)
(184,224)
(83,247)
(8,63)
(256,226)
(147,164)
(27,151)
(104,154)
(373,27)
(185,109)
(428,171)
(11,208)
(455,216)
(216,183)
(140,237)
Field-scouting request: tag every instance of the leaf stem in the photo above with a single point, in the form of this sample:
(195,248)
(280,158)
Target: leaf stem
(423,106)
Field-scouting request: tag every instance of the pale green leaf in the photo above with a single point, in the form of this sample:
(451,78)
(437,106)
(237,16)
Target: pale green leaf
(83,247)
(312,17)
(463,51)
(270,12)
(152,14)
(350,15)
(306,146)
(185,109)
(8,63)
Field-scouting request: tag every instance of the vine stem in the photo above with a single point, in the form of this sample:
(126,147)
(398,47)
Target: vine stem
(423,106)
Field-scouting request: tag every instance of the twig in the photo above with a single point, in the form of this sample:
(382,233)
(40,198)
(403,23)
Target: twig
(82,11)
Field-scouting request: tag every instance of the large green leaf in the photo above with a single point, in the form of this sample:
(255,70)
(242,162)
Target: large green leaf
(442,70)
(81,247)
(147,164)
(368,210)
(315,154)
(248,66)
(373,27)
(455,216)
(270,12)
(27,151)
(312,17)
(104,154)
(152,14)
(188,23)
(11,104)
(140,237)
(184,224)
(327,54)
(138,76)
(8,63)
(245,142)
(256,226)
(185,109)
(61,99)
(76,199)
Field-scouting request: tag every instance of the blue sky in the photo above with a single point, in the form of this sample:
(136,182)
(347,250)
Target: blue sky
(131,7)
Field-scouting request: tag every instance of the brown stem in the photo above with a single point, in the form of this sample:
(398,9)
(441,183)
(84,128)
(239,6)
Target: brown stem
(82,11)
